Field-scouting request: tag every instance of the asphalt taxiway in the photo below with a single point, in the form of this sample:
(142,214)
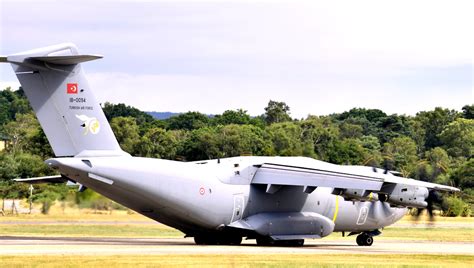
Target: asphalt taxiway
(20,245)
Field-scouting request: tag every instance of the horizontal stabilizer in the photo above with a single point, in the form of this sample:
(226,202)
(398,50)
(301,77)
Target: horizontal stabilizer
(45,179)
(66,60)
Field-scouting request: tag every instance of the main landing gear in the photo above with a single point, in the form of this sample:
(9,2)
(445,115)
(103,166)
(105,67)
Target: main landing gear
(268,242)
(213,240)
(364,239)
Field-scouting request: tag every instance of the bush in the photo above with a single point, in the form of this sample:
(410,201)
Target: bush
(457,207)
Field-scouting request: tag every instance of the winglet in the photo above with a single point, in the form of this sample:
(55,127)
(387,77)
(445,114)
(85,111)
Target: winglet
(3,59)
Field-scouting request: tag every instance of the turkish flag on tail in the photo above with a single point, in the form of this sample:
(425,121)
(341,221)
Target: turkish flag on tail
(72,88)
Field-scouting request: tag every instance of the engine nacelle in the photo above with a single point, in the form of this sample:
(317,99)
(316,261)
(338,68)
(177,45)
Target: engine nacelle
(407,195)
(355,194)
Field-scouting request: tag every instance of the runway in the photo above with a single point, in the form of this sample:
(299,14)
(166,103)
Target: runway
(16,245)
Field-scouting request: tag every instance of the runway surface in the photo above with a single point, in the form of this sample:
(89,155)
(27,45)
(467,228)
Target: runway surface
(15,245)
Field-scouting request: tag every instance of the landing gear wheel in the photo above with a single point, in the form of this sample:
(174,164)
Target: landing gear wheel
(200,240)
(364,240)
(203,240)
(210,240)
(295,243)
(266,241)
(369,240)
(231,240)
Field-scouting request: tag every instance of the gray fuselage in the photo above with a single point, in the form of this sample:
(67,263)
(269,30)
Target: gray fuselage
(205,196)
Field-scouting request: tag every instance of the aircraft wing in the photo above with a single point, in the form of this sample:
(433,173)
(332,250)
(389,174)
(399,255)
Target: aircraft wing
(278,174)
(351,182)
(412,182)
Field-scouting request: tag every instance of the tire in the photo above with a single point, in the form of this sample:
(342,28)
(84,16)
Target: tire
(269,242)
(200,240)
(230,240)
(368,240)
(359,240)
(236,240)
(204,240)
(265,241)
(364,240)
(294,243)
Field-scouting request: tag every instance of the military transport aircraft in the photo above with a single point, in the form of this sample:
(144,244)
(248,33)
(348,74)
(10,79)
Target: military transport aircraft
(275,200)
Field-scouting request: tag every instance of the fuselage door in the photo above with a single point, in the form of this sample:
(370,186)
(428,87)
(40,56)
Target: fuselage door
(238,207)
(364,211)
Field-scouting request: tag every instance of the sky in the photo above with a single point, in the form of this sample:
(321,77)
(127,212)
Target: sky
(320,57)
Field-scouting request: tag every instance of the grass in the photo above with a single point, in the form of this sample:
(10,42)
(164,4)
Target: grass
(240,260)
(78,216)
(90,230)
(429,234)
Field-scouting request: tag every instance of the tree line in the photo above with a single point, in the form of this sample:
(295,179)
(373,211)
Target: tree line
(434,146)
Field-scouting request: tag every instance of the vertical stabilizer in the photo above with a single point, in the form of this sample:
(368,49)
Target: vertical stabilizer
(59,93)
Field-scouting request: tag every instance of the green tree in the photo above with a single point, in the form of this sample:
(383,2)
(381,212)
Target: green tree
(371,145)
(202,144)
(463,176)
(4,111)
(126,132)
(393,126)
(39,145)
(417,134)
(286,140)
(235,140)
(277,112)
(348,152)
(158,143)
(401,154)
(239,117)
(436,163)
(12,103)
(348,130)
(21,165)
(121,110)
(458,137)
(457,207)
(434,123)
(321,133)
(188,121)
(21,131)
(468,111)
(47,194)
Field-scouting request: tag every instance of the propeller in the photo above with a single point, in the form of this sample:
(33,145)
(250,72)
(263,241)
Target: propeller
(434,198)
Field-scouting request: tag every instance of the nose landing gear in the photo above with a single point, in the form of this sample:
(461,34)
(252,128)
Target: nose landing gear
(364,239)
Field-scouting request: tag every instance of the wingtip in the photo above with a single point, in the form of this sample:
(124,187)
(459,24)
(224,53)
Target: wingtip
(3,58)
